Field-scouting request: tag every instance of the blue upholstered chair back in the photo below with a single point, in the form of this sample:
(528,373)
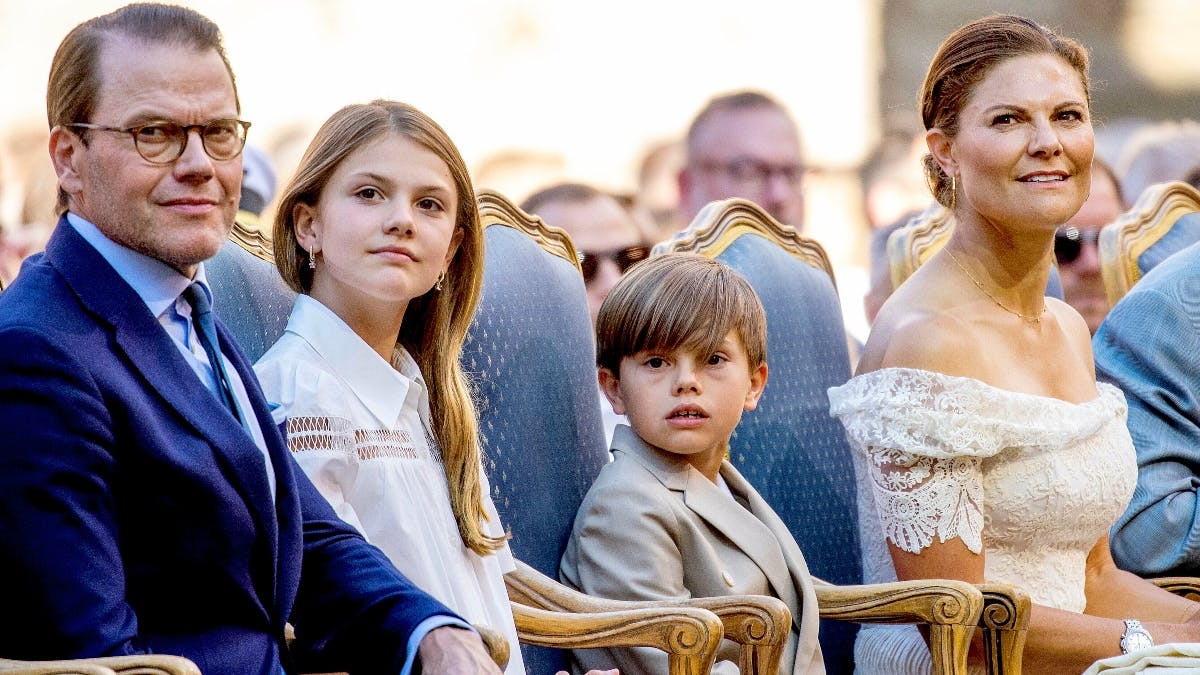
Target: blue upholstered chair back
(531,354)
(250,297)
(1183,233)
(790,448)
(1164,220)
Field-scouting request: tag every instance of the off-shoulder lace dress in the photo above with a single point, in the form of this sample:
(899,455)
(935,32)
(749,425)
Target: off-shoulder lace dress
(1032,482)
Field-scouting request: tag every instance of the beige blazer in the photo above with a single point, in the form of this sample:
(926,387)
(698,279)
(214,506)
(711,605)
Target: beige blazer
(653,528)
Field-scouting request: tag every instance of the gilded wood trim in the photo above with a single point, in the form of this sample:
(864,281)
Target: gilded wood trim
(720,223)
(1188,587)
(1005,622)
(910,246)
(247,234)
(1123,241)
(144,664)
(690,636)
(496,209)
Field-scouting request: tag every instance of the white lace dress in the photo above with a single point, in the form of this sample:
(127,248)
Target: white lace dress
(1031,481)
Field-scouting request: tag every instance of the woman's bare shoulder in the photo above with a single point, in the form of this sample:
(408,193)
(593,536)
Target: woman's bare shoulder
(917,330)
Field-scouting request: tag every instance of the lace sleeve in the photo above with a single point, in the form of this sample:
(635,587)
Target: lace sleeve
(918,497)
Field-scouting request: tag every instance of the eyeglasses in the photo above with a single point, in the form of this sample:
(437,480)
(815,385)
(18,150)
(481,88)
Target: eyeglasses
(623,258)
(1069,241)
(750,171)
(164,142)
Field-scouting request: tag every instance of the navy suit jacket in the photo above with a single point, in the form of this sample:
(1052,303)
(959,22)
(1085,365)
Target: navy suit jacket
(135,514)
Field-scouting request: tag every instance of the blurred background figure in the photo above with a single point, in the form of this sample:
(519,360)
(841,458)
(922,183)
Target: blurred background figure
(881,272)
(604,232)
(1156,153)
(608,241)
(1075,246)
(744,144)
(657,199)
(28,194)
(258,186)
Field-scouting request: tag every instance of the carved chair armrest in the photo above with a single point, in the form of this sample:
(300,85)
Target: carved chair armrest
(146,664)
(689,635)
(1188,587)
(951,608)
(1005,623)
(759,623)
(496,644)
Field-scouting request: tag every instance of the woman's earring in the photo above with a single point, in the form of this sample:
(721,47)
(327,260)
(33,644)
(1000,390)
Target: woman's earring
(437,286)
(312,258)
(953,192)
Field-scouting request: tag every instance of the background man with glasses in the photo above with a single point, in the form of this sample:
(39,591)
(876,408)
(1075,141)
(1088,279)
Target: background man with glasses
(148,503)
(744,144)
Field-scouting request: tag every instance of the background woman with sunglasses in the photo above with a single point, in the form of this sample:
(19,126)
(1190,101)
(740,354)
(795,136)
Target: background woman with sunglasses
(1076,250)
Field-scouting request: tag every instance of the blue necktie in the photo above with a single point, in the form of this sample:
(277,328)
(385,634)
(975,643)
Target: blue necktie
(207,332)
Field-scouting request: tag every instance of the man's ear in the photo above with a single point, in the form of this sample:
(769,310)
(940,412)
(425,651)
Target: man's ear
(65,147)
(758,382)
(611,386)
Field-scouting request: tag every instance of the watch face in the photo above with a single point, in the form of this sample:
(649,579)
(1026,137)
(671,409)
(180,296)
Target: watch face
(1135,640)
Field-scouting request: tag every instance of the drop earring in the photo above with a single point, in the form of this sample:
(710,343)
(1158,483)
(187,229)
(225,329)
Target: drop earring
(953,192)
(437,286)
(312,258)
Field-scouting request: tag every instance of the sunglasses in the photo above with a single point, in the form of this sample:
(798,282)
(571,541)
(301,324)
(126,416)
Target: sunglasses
(623,258)
(1069,241)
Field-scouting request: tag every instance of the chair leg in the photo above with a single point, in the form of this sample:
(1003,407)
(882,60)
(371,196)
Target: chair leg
(953,642)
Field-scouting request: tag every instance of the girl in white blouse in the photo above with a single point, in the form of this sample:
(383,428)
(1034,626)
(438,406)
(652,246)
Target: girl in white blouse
(378,232)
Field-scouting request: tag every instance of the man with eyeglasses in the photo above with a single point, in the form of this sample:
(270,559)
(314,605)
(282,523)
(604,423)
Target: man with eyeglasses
(744,144)
(147,500)
(1075,247)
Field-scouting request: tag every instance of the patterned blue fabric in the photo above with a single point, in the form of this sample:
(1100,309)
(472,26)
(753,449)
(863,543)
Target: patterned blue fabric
(531,355)
(250,298)
(790,448)
(1184,233)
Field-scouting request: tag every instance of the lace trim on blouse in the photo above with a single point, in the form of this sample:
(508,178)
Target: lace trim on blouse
(306,434)
(925,436)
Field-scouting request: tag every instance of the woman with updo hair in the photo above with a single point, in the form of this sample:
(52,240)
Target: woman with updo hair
(985,450)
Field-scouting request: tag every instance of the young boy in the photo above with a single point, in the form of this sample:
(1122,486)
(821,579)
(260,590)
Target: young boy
(681,350)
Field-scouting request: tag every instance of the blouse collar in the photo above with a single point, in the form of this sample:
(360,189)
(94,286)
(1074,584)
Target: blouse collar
(382,388)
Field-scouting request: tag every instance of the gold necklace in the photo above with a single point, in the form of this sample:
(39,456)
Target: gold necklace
(1034,320)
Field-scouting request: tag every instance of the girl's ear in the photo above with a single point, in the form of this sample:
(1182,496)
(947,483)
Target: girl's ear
(305,223)
(611,386)
(758,381)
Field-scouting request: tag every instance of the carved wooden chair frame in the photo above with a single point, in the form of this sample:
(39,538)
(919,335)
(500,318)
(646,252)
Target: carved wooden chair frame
(1123,241)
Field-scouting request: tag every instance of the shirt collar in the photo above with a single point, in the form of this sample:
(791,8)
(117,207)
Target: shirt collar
(380,387)
(158,284)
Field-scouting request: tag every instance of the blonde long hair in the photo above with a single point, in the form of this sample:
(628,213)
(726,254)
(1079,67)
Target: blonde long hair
(435,324)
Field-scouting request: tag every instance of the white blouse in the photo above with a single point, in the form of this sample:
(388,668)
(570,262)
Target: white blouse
(358,426)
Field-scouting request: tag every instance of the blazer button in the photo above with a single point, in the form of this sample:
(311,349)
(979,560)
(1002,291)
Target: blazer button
(728,579)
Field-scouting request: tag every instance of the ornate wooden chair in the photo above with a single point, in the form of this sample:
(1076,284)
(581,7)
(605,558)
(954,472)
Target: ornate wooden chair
(150,664)
(1165,219)
(910,246)
(531,352)
(797,455)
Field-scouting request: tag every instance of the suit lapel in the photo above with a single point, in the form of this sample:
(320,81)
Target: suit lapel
(153,355)
(706,500)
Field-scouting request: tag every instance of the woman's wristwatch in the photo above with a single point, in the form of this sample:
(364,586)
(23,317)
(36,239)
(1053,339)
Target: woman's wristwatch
(1135,637)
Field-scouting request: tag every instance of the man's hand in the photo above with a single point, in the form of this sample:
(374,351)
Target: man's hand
(454,651)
